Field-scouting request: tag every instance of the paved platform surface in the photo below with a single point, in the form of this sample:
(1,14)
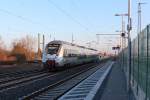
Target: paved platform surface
(114,87)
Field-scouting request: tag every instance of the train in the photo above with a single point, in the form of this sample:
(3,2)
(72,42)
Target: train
(59,54)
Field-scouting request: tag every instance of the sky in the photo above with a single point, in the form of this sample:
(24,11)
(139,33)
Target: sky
(59,19)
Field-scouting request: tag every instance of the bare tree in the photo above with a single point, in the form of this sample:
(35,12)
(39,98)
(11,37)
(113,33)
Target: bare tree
(2,46)
(25,46)
(1,43)
(3,52)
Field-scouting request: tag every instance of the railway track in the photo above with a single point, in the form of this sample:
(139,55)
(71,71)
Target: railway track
(20,73)
(19,76)
(8,77)
(13,83)
(54,91)
(25,86)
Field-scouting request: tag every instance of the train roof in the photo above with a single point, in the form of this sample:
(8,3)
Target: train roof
(64,42)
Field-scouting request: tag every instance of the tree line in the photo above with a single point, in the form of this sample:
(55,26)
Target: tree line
(23,49)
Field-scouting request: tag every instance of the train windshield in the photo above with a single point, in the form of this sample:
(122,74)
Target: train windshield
(52,48)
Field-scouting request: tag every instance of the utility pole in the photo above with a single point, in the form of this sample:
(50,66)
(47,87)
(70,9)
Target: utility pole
(43,42)
(72,41)
(123,22)
(38,41)
(122,38)
(54,36)
(38,54)
(129,28)
(50,37)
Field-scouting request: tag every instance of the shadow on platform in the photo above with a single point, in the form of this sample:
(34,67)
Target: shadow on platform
(114,87)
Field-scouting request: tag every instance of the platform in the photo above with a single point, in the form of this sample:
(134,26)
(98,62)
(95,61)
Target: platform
(114,87)
(111,85)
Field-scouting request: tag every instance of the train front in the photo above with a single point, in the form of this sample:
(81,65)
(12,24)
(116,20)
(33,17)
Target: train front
(50,56)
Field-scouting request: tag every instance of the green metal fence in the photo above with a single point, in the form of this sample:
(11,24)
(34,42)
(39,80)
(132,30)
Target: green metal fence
(140,64)
(148,77)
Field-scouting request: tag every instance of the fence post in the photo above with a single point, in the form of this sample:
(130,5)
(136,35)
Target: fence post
(147,63)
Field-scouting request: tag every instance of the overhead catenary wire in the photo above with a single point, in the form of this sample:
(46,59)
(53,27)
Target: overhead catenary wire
(37,23)
(23,18)
(68,15)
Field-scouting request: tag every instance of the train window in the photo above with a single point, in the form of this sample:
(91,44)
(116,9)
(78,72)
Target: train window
(70,55)
(52,49)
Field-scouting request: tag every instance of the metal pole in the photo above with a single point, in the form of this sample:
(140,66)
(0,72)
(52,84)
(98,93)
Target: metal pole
(147,69)
(138,32)
(72,39)
(50,37)
(43,42)
(122,23)
(38,54)
(129,48)
(38,41)
(122,41)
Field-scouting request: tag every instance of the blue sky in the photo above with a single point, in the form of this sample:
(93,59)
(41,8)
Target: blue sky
(62,18)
